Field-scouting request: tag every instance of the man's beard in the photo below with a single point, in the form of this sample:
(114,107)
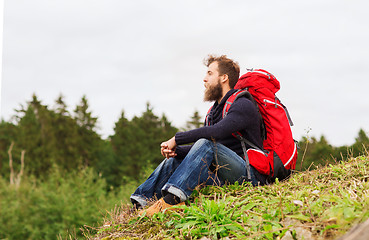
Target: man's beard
(213,93)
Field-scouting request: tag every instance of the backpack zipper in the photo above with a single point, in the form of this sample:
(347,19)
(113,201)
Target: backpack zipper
(271,102)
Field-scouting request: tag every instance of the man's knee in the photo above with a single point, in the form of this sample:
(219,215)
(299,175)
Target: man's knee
(169,161)
(203,142)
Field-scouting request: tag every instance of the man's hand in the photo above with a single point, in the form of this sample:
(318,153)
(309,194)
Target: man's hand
(168,148)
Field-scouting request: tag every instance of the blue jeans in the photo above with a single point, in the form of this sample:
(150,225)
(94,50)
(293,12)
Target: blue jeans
(207,163)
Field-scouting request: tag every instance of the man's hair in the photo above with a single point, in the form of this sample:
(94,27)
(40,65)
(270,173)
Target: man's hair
(225,66)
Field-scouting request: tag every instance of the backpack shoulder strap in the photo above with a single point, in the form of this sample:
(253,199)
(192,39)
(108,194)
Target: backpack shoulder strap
(233,97)
(207,117)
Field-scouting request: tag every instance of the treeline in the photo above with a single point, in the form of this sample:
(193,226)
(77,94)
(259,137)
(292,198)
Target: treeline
(55,136)
(318,152)
(50,136)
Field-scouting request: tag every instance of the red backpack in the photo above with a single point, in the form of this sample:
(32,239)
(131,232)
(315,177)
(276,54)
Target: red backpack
(279,154)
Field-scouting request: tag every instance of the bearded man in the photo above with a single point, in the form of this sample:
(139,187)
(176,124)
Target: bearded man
(216,157)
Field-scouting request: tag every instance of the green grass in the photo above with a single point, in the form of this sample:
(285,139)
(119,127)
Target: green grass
(321,204)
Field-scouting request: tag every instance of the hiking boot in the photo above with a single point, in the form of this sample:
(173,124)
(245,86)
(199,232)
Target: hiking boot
(160,206)
(136,207)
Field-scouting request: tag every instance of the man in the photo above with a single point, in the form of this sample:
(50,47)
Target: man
(216,157)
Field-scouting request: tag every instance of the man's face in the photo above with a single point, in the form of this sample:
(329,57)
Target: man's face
(213,88)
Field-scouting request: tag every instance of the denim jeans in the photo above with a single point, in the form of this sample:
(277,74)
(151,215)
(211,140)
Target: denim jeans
(207,163)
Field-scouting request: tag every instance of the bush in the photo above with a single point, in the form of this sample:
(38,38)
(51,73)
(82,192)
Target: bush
(46,209)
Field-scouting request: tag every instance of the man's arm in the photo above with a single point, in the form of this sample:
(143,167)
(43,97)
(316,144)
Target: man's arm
(241,116)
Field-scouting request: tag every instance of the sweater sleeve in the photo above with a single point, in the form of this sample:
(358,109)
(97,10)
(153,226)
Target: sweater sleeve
(241,115)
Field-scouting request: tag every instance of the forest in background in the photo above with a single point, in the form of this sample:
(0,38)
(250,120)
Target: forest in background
(57,174)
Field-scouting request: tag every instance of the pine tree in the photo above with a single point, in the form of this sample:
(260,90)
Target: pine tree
(35,136)
(61,106)
(123,148)
(89,141)
(361,145)
(167,129)
(83,115)
(136,143)
(146,139)
(67,138)
(195,121)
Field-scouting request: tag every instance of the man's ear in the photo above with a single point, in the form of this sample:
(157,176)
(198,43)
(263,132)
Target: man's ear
(224,78)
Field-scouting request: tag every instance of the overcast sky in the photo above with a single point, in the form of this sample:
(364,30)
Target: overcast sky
(121,54)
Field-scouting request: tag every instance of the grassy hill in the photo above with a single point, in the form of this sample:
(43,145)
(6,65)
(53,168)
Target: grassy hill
(320,204)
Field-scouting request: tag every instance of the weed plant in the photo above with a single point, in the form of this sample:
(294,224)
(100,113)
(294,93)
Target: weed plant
(320,204)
